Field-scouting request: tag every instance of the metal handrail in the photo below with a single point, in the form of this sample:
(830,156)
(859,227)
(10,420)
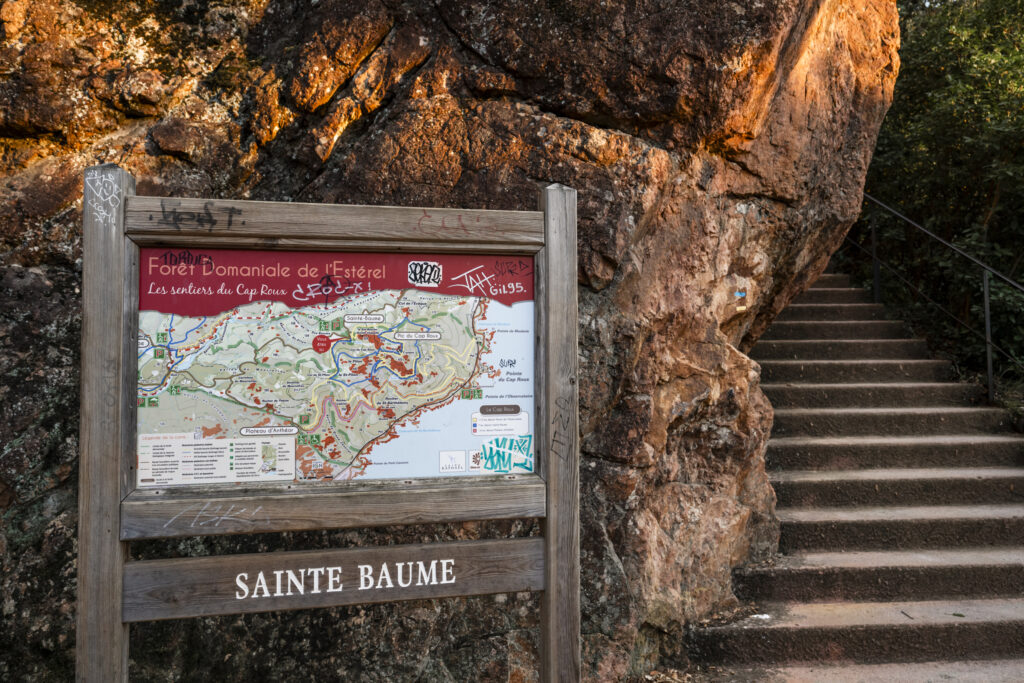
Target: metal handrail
(896,274)
(1004,278)
(986,269)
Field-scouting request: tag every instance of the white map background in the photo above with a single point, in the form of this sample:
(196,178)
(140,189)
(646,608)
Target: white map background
(416,451)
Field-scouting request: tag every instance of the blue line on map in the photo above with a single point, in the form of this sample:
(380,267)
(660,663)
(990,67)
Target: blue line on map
(376,363)
(403,320)
(401,348)
(348,384)
(201,323)
(352,357)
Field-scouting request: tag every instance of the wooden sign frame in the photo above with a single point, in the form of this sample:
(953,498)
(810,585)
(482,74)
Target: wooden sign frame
(113,591)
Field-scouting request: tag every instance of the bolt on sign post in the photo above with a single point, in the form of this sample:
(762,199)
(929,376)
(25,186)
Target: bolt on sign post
(254,367)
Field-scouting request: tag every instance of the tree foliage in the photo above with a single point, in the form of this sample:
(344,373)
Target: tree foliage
(951,156)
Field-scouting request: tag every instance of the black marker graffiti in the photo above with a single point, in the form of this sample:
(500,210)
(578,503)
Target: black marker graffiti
(185,257)
(562,438)
(170,215)
(425,273)
(504,268)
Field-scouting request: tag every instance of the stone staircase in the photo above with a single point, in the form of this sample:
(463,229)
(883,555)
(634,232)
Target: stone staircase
(902,506)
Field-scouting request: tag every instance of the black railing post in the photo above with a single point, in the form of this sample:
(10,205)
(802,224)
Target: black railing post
(875,272)
(987,272)
(988,340)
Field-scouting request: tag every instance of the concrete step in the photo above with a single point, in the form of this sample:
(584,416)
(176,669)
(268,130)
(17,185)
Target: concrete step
(904,486)
(873,395)
(973,671)
(833,295)
(885,575)
(840,349)
(891,486)
(818,312)
(866,452)
(836,371)
(889,527)
(831,280)
(868,632)
(883,421)
(835,329)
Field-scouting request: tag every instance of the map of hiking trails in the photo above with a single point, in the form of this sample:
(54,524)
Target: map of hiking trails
(259,366)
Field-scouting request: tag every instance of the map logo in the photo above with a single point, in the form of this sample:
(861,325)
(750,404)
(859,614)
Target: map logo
(425,273)
(452,461)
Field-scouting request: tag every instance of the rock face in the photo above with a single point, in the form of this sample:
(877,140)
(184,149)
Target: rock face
(717,147)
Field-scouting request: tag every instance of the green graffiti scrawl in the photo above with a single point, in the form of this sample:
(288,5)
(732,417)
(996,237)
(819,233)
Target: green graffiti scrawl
(505,453)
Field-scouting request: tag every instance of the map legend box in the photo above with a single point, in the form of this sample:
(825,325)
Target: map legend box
(176,459)
(501,425)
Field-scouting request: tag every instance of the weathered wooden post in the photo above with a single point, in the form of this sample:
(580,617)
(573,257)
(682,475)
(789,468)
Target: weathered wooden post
(107,427)
(561,627)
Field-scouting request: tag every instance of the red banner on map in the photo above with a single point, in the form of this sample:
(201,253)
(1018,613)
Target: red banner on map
(198,282)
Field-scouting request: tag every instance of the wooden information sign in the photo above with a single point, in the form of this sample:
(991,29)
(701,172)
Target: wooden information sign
(254,367)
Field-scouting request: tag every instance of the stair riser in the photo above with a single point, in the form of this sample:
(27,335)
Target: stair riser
(828,324)
(888,349)
(894,424)
(823,457)
(837,373)
(834,296)
(853,329)
(899,534)
(897,492)
(831,280)
(879,583)
(825,312)
(909,643)
(879,396)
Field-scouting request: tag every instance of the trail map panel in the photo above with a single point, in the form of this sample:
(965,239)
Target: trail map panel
(262,366)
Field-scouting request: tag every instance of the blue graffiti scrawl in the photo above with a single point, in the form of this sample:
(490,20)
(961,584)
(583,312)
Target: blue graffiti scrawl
(507,453)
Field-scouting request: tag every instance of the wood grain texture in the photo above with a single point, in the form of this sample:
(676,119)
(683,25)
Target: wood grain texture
(540,357)
(374,224)
(298,243)
(192,587)
(102,639)
(129,355)
(228,509)
(560,618)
